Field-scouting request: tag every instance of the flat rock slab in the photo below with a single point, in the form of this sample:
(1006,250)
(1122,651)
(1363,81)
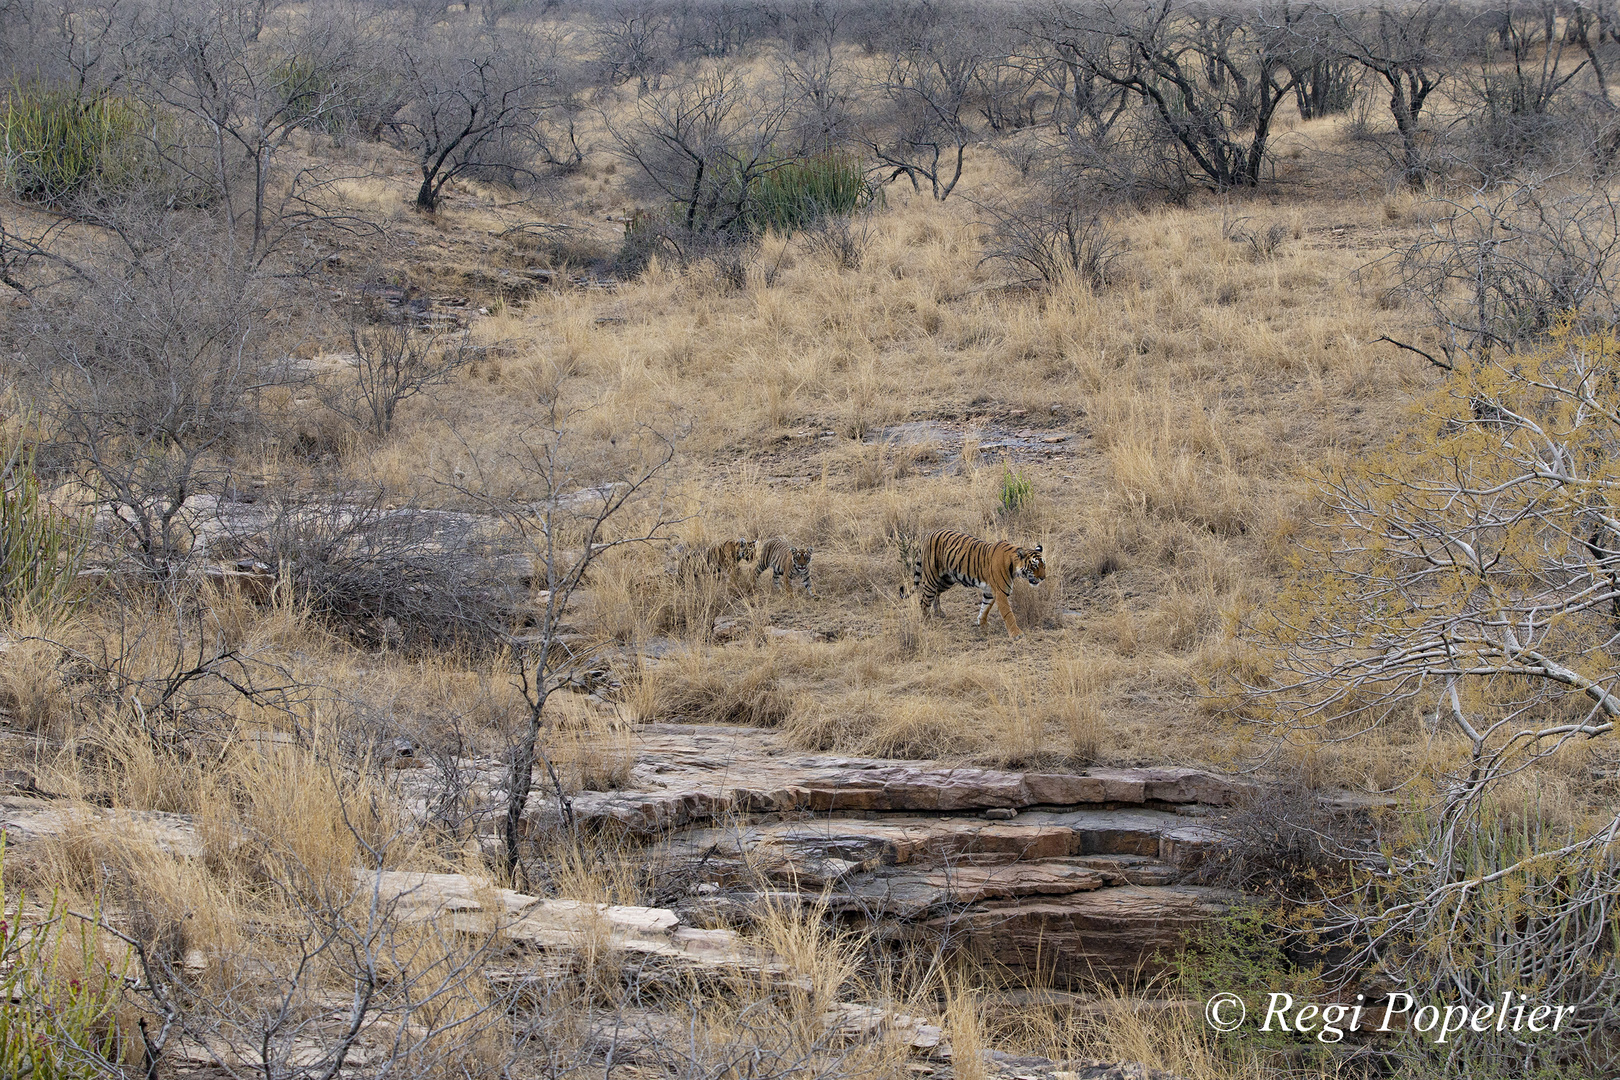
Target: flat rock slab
(906,893)
(687,774)
(817,852)
(480,908)
(25,820)
(1074,892)
(1128,931)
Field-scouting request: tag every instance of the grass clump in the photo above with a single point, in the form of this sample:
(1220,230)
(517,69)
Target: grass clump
(56,1000)
(41,549)
(1017,492)
(804,192)
(56,146)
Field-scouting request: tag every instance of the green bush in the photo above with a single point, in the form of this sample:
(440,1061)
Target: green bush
(785,199)
(301,83)
(313,95)
(56,999)
(41,549)
(1016,490)
(56,146)
(803,192)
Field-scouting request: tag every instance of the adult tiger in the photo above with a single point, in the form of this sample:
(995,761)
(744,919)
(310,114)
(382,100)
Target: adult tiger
(779,556)
(718,558)
(954,558)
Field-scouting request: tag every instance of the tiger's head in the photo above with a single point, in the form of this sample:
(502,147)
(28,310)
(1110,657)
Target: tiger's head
(744,549)
(801,556)
(1029,564)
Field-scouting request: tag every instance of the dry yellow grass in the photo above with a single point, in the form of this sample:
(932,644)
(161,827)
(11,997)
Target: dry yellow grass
(1193,393)
(840,407)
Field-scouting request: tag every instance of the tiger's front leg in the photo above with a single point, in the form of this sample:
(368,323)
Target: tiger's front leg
(984,608)
(1007,615)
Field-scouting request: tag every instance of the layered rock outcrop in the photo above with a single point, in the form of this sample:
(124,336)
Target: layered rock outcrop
(1079,874)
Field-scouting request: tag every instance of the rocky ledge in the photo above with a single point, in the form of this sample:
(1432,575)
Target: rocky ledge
(1078,874)
(1074,875)
(686,773)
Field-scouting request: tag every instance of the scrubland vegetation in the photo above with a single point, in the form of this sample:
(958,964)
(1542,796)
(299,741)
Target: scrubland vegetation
(367,367)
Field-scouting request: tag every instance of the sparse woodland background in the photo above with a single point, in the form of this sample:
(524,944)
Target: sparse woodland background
(363,366)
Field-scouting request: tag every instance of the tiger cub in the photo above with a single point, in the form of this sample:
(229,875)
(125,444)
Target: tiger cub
(719,559)
(779,556)
(953,558)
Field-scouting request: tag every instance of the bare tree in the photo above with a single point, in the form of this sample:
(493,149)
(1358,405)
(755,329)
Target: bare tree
(1091,105)
(566,502)
(823,91)
(716,27)
(1506,265)
(243,97)
(1467,582)
(1517,89)
(1043,235)
(1015,88)
(391,363)
(147,381)
(82,46)
(1590,27)
(1404,45)
(1325,80)
(493,11)
(924,134)
(470,106)
(1212,77)
(704,146)
(631,41)
(32,260)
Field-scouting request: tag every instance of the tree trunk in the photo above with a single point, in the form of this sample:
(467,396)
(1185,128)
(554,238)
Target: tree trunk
(521,782)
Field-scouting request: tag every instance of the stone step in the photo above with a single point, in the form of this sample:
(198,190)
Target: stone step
(1130,869)
(1074,874)
(911,893)
(687,774)
(23,820)
(568,926)
(1128,933)
(817,852)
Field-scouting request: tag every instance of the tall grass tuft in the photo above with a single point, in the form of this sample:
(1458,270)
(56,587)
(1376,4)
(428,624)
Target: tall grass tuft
(1016,490)
(41,549)
(806,191)
(57,1003)
(56,146)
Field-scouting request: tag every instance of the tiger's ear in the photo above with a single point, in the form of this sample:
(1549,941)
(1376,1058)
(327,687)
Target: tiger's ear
(1037,549)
